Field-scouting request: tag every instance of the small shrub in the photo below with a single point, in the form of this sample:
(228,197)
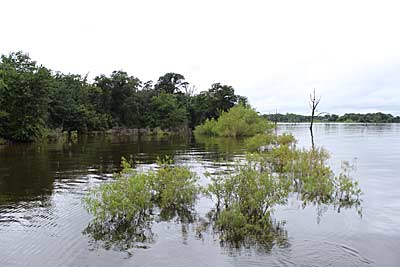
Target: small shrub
(244,202)
(259,142)
(266,141)
(125,208)
(207,128)
(127,198)
(173,187)
(133,195)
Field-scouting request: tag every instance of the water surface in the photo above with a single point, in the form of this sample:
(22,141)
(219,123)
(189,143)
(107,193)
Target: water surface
(42,218)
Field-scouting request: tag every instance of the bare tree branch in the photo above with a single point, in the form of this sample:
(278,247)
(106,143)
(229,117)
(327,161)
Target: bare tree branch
(314,102)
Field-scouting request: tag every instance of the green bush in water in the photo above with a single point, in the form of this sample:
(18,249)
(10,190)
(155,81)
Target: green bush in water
(127,198)
(244,202)
(262,141)
(245,198)
(132,196)
(238,121)
(306,169)
(207,128)
(172,186)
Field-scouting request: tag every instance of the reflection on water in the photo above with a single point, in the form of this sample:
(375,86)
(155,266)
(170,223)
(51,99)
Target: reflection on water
(123,236)
(42,218)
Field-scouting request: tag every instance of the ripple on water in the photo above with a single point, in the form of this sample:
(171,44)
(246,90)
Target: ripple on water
(42,220)
(319,253)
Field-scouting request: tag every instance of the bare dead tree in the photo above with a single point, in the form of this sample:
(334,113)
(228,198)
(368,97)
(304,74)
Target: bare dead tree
(314,102)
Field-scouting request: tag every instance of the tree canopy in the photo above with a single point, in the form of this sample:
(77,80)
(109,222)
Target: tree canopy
(34,98)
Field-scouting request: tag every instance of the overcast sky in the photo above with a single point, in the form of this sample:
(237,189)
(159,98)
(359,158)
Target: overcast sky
(273,52)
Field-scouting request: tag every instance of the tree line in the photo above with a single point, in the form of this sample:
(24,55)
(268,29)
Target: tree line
(34,99)
(378,117)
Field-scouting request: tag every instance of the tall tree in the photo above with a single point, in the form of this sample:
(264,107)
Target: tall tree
(171,83)
(76,105)
(209,104)
(222,98)
(116,88)
(168,112)
(24,90)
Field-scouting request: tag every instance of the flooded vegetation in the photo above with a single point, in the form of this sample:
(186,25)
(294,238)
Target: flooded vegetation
(244,198)
(223,201)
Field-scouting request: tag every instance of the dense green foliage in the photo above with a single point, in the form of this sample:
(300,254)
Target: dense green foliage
(348,117)
(24,96)
(34,99)
(238,121)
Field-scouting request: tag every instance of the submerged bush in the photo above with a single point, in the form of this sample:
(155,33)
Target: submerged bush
(172,186)
(245,198)
(245,195)
(127,198)
(238,121)
(263,142)
(244,202)
(133,195)
(127,206)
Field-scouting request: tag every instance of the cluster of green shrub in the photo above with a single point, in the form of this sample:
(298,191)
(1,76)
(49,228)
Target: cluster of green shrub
(125,208)
(378,117)
(240,120)
(34,99)
(245,195)
(245,198)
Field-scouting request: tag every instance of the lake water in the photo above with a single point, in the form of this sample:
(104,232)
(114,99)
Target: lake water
(42,219)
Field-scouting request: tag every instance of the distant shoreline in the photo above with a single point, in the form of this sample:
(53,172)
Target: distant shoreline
(377,117)
(336,122)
